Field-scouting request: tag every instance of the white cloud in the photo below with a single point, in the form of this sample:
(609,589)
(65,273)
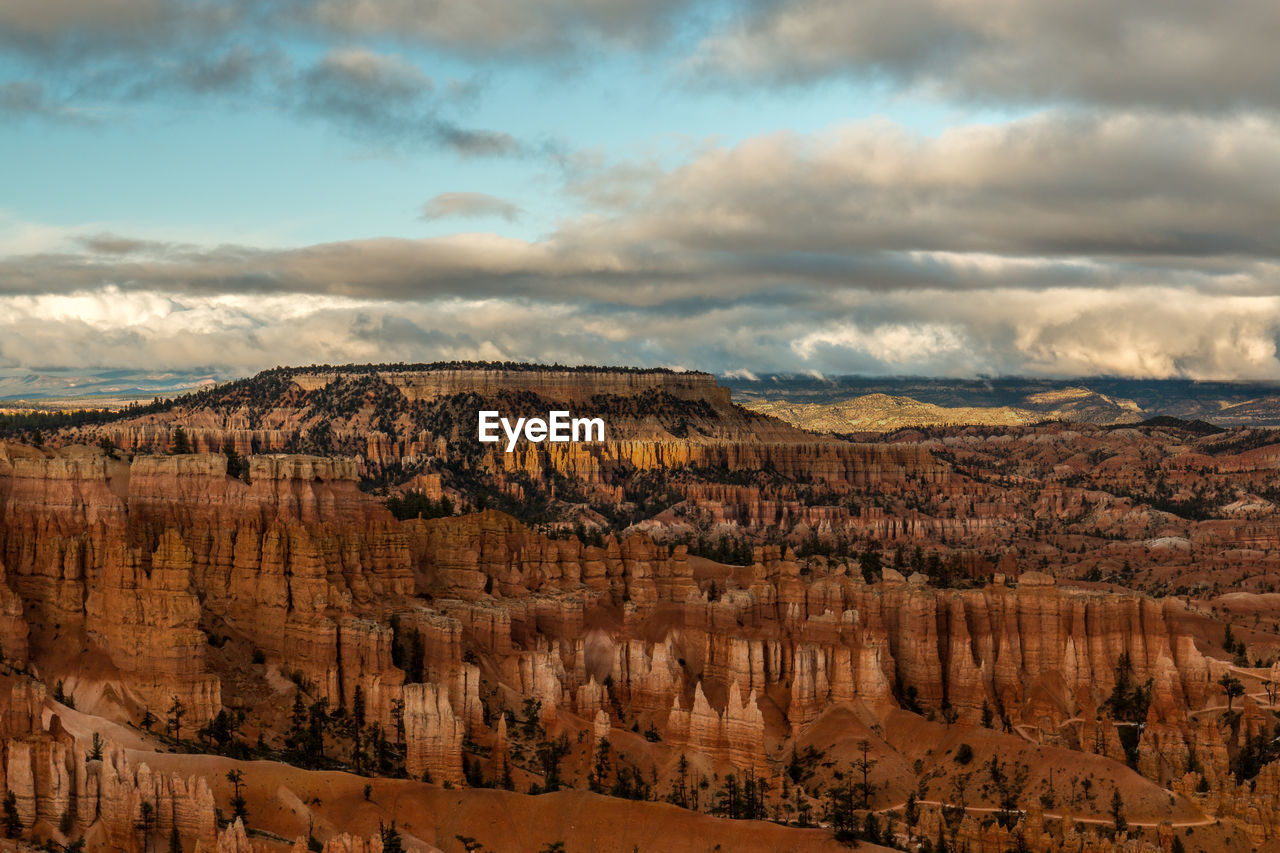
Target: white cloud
(892,344)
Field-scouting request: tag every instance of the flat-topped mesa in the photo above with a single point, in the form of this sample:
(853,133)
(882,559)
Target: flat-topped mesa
(663,433)
(570,386)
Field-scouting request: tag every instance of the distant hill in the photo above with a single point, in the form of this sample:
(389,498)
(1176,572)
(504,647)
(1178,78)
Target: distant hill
(94,387)
(857,404)
(883,413)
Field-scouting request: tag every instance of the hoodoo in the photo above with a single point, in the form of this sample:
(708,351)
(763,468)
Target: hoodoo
(707,614)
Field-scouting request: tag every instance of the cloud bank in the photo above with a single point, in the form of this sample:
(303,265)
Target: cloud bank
(1123,222)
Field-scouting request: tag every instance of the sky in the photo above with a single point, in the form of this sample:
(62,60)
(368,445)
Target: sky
(880,187)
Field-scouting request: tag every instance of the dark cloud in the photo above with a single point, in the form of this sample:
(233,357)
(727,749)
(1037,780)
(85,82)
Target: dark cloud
(75,30)
(470,142)
(237,69)
(122,51)
(1177,54)
(23,97)
(1173,55)
(461,204)
(360,84)
(544,29)
(112,244)
(389,100)
(1055,185)
(1047,202)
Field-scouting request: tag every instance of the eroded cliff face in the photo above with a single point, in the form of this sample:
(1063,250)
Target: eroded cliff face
(1034,655)
(89,790)
(137,559)
(477,650)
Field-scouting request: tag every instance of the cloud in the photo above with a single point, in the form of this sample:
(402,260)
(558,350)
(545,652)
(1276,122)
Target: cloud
(358,82)
(75,28)
(22,96)
(1136,244)
(461,204)
(1049,201)
(535,29)
(89,62)
(1180,55)
(1150,332)
(112,244)
(1056,184)
(28,98)
(532,29)
(890,344)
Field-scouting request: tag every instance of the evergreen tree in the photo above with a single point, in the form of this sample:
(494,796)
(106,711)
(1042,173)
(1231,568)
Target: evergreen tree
(1233,688)
(870,565)
(174,723)
(12,820)
(391,841)
(239,808)
(864,765)
(1117,812)
(146,820)
(357,716)
(236,465)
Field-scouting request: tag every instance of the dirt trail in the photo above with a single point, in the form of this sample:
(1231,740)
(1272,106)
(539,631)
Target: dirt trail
(1058,815)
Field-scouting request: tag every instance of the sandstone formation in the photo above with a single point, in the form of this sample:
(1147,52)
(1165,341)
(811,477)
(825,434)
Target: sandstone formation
(709,595)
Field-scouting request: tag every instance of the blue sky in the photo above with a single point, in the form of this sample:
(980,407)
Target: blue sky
(233,168)
(810,185)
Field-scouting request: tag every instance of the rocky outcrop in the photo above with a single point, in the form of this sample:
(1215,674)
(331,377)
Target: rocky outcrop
(433,735)
(61,781)
(141,555)
(13,625)
(144,614)
(139,579)
(734,736)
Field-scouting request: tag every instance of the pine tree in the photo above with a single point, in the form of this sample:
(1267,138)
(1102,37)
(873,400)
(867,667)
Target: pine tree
(864,765)
(1233,688)
(236,466)
(12,820)
(176,712)
(239,809)
(1117,811)
(357,715)
(391,842)
(146,820)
